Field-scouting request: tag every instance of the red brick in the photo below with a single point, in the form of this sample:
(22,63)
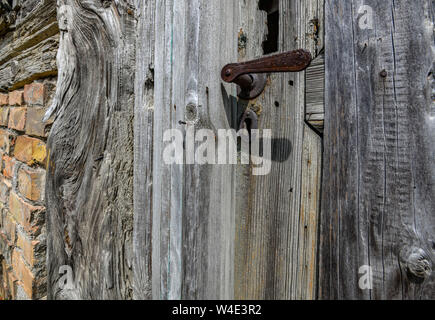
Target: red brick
(30,150)
(29,216)
(34,125)
(28,248)
(17,118)
(5,188)
(9,165)
(23,273)
(16,263)
(34,94)
(11,283)
(10,228)
(4,192)
(7,140)
(5,268)
(4,116)
(28,280)
(31,183)
(16,98)
(4,99)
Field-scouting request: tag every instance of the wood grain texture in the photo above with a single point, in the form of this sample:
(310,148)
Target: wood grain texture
(192,205)
(89,170)
(33,63)
(379,175)
(143,150)
(18,12)
(275,253)
(311,168)
(183,243)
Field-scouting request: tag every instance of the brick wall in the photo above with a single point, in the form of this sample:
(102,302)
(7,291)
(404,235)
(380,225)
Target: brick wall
(22,179)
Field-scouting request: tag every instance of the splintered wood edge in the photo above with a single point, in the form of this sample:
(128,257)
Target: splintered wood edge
(315,93)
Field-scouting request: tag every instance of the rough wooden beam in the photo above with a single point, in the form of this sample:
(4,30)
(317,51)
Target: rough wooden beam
(33,63)
(89,170)
(378,187)
(28,48)
(39,24)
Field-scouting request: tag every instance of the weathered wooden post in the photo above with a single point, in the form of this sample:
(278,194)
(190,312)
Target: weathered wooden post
(90,167)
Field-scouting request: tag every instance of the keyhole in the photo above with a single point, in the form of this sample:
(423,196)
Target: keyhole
(271,7)
(248,123)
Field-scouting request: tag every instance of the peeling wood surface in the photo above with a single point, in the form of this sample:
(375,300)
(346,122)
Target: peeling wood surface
(379,176)
(90,168)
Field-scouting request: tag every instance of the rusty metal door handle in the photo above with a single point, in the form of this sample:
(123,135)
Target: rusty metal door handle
(250,75)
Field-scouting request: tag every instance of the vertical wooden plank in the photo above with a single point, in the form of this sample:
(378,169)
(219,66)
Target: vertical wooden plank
(193,211)
(309,215)
(143,150)
(379,174)
(163,109)
(311,165)
(217,44)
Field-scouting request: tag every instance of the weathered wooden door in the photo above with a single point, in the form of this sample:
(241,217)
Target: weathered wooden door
(218,231)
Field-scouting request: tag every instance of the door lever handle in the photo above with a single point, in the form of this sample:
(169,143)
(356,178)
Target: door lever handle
(250,75)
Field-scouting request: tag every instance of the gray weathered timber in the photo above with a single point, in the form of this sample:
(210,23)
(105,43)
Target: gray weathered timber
(378,200)
(192,205)
(309,215)
(33,63)
(276,214)
(143,150)
(89,170)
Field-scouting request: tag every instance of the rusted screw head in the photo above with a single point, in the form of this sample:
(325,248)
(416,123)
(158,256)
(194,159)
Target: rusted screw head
(383,73)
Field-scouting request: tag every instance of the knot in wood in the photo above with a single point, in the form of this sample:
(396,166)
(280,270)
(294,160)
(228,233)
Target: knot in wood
(191,115)
(419,264)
